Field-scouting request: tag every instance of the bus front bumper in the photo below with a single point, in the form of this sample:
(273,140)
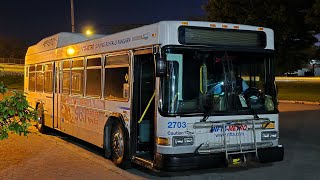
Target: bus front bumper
(178,162)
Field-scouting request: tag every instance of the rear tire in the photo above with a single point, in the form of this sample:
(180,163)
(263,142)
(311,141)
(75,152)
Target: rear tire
(119,147)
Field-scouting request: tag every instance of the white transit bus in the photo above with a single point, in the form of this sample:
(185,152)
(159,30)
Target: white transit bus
(168,96)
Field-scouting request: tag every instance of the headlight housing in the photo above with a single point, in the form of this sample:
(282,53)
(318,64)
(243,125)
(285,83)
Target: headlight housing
(269,135)
(182,140)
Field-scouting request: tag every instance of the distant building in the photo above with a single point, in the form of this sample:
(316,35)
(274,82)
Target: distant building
(317,71)
(318,37)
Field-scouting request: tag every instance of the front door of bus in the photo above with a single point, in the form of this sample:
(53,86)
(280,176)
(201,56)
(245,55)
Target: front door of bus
(143,104)
(57,95)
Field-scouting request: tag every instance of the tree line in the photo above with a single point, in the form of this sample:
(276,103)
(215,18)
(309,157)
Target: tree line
(12,48)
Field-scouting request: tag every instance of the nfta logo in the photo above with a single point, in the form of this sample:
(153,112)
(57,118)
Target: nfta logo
(242,127)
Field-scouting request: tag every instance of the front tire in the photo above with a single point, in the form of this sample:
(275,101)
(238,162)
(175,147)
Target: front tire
(119,146)
(40,121)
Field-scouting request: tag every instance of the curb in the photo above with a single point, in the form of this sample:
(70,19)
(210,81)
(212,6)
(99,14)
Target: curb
(299,102)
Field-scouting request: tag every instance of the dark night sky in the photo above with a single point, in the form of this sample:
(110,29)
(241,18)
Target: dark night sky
(32,20)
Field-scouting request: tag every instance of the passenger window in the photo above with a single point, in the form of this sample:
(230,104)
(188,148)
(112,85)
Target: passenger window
(48,78)
(77,74)
(94,77)
(32,78)
(66,77)
(117,78)
(39,78)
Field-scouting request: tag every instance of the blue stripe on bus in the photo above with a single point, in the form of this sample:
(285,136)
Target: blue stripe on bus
(124,108)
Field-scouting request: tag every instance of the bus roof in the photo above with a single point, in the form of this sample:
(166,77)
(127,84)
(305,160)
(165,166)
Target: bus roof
(164,33)
(59,40)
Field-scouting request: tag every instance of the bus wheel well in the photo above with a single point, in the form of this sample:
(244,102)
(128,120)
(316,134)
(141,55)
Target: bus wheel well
(112,120)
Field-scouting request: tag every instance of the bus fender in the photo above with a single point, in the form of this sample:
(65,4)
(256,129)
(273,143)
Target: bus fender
(112,119)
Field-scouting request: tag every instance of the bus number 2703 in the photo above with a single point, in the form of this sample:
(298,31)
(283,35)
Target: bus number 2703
(177,124)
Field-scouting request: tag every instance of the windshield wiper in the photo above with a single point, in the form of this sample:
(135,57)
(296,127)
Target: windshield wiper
(254,113)
(209,107)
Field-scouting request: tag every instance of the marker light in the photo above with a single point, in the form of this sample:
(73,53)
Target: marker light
(89,32)
(213,25)
(269,125)
(70,51)
(185,23)
(224,26)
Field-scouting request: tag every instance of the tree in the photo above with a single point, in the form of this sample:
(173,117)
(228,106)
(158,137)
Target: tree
(286,18)
(15,114)
(12,48)
(313,16)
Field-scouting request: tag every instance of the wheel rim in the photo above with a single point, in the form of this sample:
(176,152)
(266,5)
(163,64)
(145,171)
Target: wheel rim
(118,145)
(40,120)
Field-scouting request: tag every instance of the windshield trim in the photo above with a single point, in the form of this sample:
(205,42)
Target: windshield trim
(267,53)
(163,114)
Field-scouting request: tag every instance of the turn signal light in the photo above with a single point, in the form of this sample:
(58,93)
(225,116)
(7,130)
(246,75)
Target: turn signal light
(163,141)
(269,125)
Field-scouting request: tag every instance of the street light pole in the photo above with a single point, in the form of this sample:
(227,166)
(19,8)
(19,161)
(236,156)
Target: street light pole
(72,16)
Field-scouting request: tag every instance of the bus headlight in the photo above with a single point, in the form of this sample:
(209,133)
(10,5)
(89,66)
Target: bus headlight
(269,135)
(182,140)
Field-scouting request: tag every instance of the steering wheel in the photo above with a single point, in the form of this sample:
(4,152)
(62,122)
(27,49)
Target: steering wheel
(254,98)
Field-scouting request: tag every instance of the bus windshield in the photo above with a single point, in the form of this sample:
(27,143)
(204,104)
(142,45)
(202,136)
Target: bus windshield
(210,82)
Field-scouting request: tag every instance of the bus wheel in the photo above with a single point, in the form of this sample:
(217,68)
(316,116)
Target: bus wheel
(119,149)
(40,121)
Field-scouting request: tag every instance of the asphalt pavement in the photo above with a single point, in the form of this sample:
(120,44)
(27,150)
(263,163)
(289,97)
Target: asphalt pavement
(57,156)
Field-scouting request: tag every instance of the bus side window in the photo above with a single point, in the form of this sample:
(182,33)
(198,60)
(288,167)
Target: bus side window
(117,77)
(39,78)
(93,87)
(66,77)
(48,78)
(77,74)
(32,78)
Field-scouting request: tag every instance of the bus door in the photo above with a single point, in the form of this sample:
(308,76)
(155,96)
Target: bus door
(143,107)
(57,95)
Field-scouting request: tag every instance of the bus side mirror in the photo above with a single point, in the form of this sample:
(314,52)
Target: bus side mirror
(161,67)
